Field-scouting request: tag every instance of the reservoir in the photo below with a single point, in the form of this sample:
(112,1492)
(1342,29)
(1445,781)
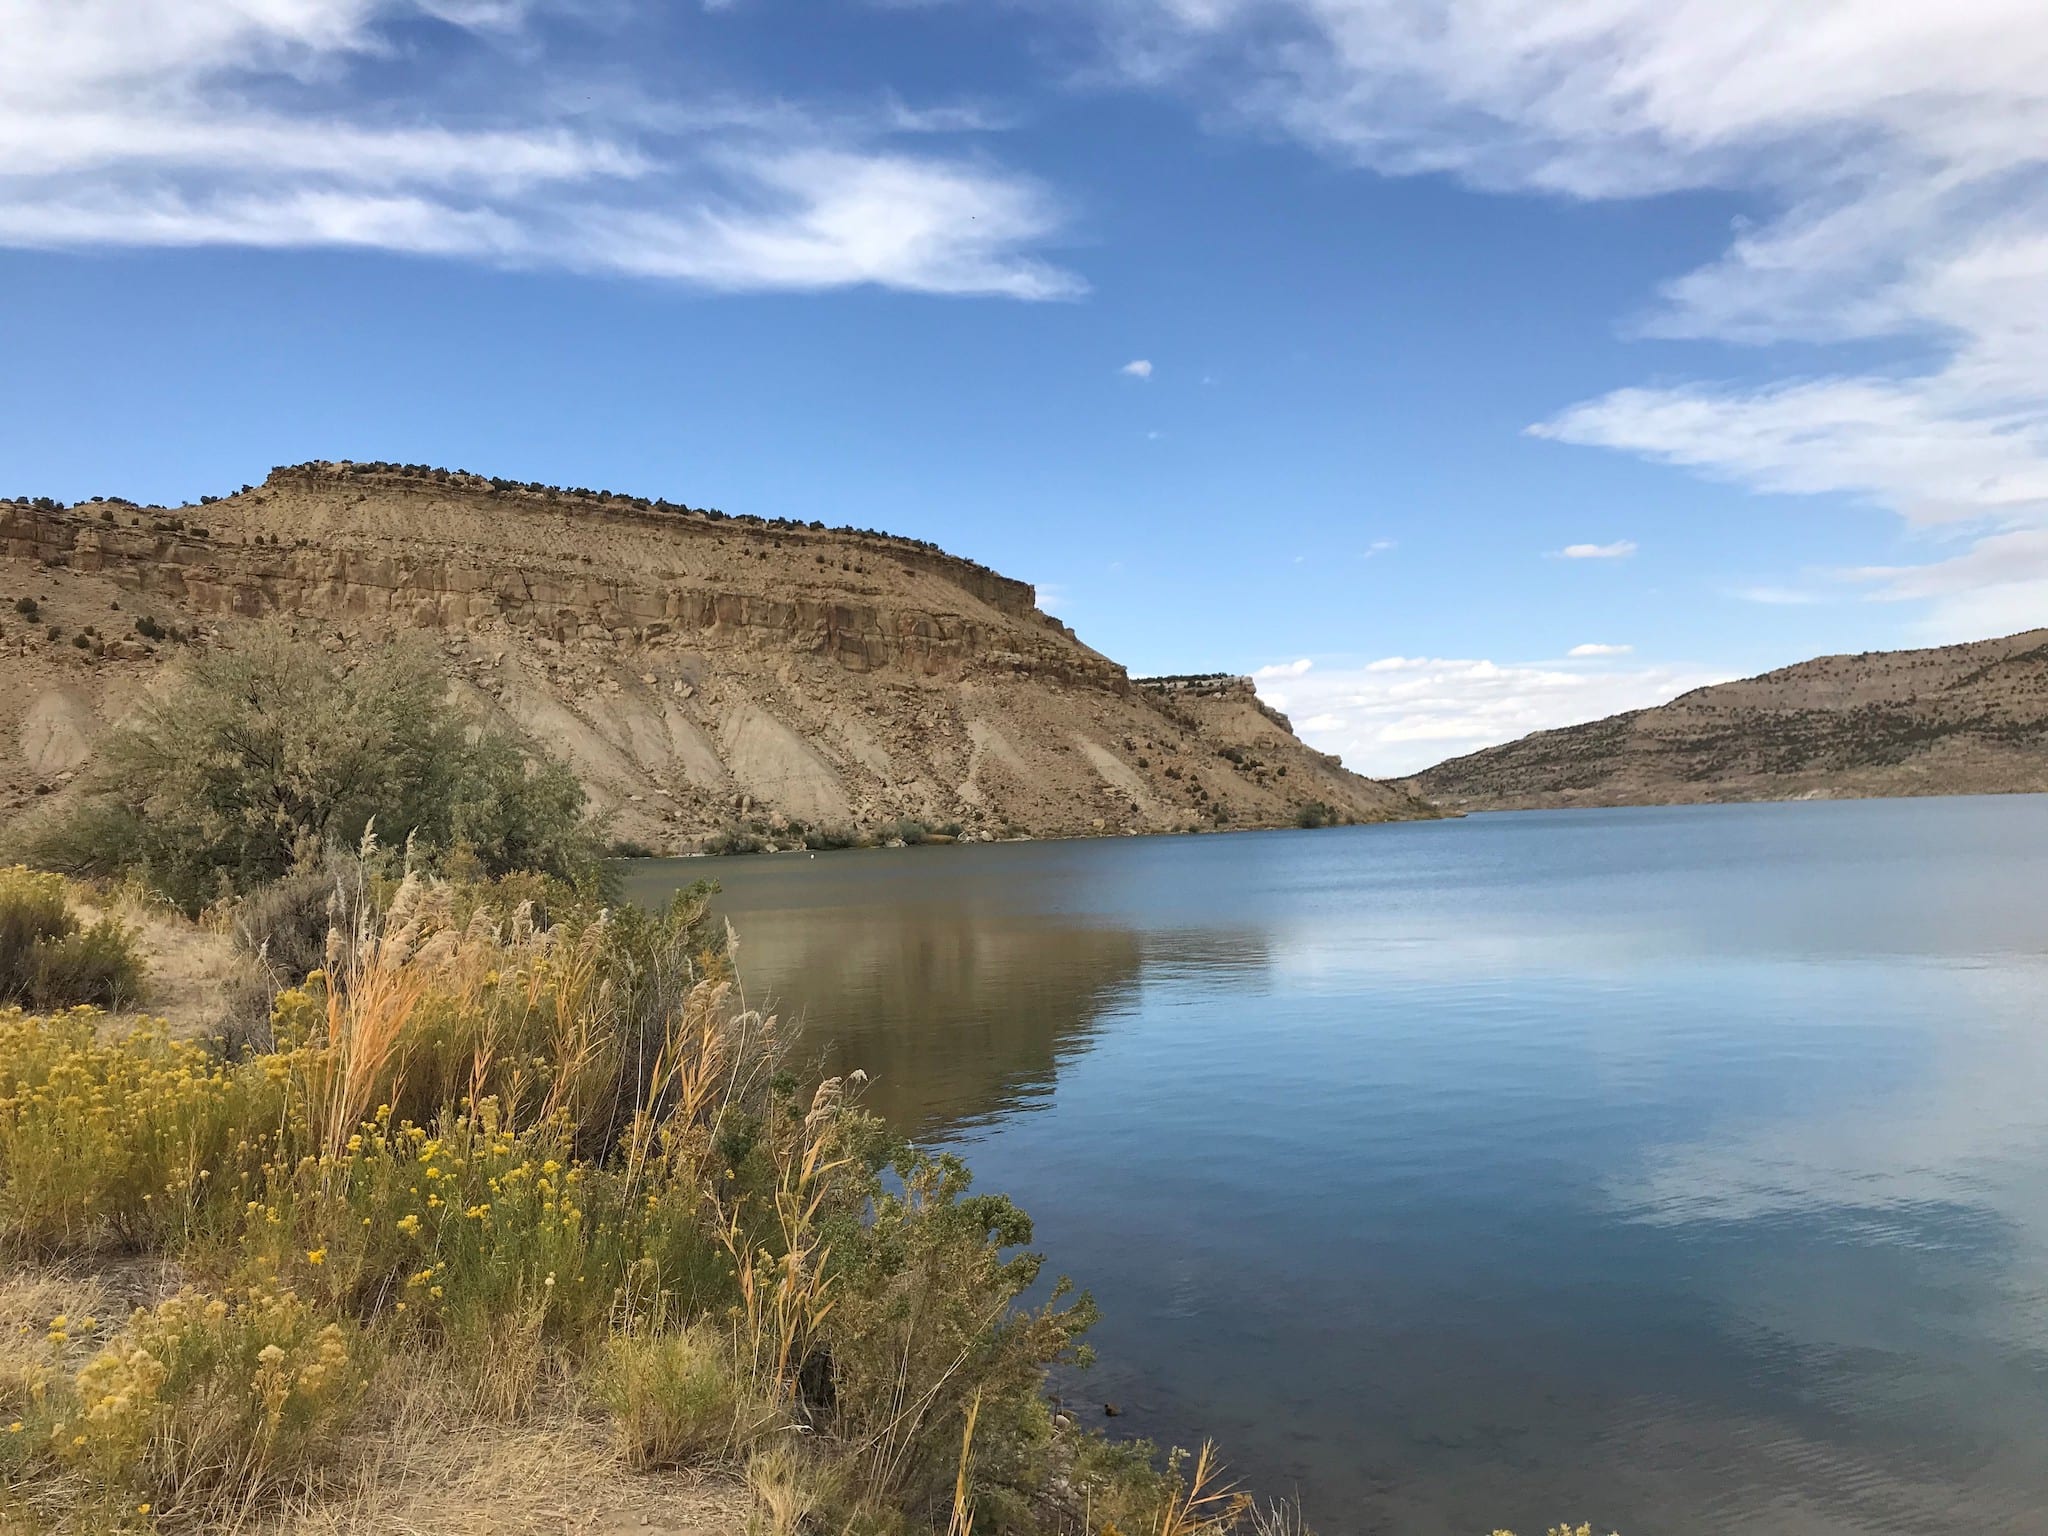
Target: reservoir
(1682,1170)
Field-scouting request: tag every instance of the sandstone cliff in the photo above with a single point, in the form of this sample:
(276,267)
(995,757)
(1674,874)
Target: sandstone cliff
(1951,720)
(701,672)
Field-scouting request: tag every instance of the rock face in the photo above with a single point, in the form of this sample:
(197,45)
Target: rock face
(702,673)
(1952,720)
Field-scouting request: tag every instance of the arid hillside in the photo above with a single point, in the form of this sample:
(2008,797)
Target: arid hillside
(1950,720)
(703,673)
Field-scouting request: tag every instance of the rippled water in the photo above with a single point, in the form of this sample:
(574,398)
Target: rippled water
(1683,1170)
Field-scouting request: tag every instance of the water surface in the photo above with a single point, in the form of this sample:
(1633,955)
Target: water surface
(1685,1170)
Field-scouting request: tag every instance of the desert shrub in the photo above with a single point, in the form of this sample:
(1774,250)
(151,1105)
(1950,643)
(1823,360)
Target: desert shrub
(285,923)
(909,831)
(819,839)
(49,959)
(676,1397)
(33,910)
(1317,814)
(734,840)
(925,1323)
(205,1401)
(29,609)
(511,810)
(629,848)
(263,758)
(150,629)
(137,1141)
(95,964)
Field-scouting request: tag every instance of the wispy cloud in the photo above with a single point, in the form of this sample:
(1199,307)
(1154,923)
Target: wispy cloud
(1399,714)
(128,122)
(1896,155)
(1589,651)
(1620,549)
(1779,597)
(1997,586)
(1137,368)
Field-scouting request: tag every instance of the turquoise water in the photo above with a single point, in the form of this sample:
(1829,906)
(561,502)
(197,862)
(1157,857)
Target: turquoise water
(1685,1170)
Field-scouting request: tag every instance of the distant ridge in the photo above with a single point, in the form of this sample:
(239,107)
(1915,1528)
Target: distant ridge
(1948,720)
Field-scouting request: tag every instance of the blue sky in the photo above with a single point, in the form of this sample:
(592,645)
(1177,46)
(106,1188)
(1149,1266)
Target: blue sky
(1476,333)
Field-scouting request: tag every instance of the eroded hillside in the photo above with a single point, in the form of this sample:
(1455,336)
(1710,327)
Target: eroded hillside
(1949,720)
(702,673)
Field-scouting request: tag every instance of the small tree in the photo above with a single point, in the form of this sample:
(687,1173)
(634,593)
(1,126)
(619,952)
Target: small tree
(264,757)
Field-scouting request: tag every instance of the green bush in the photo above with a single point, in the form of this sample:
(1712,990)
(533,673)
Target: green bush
(286,923)
(48,959)
(264,758)
(1317,814)
(733,840)
(819,839)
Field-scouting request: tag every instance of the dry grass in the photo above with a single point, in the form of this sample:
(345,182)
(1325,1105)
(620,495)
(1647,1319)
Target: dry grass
(196,981)
(430,1470)
(1207,1505)
(785,1482)
(679,1397)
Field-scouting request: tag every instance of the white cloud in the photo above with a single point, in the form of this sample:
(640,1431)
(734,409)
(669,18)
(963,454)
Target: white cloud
(1400,714)
(1620,549)
(1285,669)
(1377,547)
(1996,587)
(1588,651)
(1137,368)
(1895,153)
(1778,597)
(252,122)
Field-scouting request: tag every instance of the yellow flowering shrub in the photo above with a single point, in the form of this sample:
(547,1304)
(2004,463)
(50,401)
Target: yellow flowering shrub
(130,1140)
(446,1233)
(206,1397)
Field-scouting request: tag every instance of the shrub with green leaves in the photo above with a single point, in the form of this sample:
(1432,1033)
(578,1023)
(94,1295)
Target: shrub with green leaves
(49,959)
(263,758)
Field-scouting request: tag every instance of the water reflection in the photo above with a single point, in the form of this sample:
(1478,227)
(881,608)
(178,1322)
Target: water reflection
(1687,1170)
(960,1007)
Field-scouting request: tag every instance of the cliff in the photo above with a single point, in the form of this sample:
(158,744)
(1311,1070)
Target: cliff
(701,672)
(1950,720)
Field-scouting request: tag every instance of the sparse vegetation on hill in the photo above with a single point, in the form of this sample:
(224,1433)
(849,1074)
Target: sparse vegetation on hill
(1955,719)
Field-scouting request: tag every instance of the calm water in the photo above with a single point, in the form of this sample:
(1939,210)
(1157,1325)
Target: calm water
(1683,1170)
